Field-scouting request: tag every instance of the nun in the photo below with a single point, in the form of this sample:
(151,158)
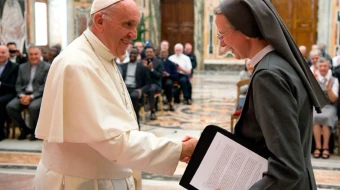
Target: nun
(278,112)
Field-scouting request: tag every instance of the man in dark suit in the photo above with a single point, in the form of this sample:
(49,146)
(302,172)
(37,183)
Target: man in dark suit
(170,75)
(15,55)
(156,69)
(29,87)
(188,52)
(137,79)
(8,77)
(277,114)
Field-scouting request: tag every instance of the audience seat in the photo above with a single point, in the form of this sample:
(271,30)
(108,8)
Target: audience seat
(142,105)
(238,111)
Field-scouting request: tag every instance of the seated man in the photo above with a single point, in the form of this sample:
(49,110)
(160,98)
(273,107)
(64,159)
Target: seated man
(8,77)
(29,87)
(188,52)
(137,79)
(324,122)
(169,76)
(156,69)
(184,67)
(15,56)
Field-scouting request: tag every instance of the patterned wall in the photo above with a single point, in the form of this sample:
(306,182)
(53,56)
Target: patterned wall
(212,49)
(13,22)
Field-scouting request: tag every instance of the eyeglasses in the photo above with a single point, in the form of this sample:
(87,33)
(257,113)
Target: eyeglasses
(219,35)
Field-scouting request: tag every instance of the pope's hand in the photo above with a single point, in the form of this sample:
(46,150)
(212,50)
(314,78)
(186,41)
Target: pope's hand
(188,147)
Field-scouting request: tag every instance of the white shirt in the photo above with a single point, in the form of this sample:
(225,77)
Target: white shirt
(336,61)
(260,55)
(29,87)
(13,59)
(130,79)
(182,60)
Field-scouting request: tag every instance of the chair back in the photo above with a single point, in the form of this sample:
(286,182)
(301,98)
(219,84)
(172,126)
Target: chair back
(239,84)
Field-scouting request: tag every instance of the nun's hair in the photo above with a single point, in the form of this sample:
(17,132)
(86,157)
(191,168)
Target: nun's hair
(315,52)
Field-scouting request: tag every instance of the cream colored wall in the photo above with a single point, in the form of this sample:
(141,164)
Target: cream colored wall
(220,55)
(335,33)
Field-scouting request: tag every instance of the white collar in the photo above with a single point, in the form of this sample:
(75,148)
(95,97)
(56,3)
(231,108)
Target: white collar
(99,48)
(260,55)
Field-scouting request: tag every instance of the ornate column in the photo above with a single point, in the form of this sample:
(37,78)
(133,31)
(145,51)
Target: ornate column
(324,23)
(198,31)
(155,21)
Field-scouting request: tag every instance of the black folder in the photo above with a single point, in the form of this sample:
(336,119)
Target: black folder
(202,147)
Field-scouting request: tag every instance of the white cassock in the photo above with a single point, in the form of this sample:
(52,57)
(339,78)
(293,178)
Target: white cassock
(182,60)
(89,127)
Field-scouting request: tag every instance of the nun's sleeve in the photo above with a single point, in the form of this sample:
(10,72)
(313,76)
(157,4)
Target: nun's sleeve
(277,114)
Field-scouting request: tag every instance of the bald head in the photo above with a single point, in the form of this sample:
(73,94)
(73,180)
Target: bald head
(188,48)
(4,54)
(303,50)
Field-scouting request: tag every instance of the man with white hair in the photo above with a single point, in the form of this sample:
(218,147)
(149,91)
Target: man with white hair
(184,67)
(87,119)
(315,56)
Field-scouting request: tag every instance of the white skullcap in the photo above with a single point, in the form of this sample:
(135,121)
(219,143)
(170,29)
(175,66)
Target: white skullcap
(98,5)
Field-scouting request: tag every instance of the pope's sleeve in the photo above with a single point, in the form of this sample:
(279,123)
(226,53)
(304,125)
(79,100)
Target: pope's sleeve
(141,151)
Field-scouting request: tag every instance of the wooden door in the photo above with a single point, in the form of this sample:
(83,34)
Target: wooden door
(300,16)
(177,24)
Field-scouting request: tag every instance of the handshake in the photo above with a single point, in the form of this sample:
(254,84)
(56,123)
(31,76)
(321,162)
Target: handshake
(188,147)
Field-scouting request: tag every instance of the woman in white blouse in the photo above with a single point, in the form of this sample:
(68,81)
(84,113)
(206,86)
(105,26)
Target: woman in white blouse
(324,122)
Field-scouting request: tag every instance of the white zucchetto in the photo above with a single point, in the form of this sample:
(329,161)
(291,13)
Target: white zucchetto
(98,5)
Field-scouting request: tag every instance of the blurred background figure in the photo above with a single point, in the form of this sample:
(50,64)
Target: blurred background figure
(325,122)
(188,52)
(245,74)
(303,51)
(15,55)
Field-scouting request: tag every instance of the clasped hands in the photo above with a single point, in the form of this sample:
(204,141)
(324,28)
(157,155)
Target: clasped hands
(25,100)
(188,147)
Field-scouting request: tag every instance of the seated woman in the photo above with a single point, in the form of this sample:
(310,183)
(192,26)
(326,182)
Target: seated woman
(245,74)
(324,122)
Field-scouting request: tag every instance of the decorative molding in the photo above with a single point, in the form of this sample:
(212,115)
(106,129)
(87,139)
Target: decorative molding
(81,16)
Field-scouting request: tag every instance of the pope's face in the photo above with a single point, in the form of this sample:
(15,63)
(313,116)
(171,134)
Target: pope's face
(121,27)
(233,39)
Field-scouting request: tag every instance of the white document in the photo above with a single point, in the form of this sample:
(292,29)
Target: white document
(229,166)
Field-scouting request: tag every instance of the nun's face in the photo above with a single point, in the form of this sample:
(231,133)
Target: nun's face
(231,38)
